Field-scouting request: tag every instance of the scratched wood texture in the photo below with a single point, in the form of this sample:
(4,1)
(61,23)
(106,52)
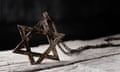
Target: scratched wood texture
(11,62)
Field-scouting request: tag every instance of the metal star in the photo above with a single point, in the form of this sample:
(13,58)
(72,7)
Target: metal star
(45,27)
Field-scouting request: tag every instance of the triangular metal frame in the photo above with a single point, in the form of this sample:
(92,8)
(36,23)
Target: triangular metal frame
(42,27)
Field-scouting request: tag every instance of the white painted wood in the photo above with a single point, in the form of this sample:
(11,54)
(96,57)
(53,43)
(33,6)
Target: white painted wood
(91,60)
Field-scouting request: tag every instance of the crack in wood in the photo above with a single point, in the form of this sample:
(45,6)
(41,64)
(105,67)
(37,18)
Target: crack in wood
(70,63)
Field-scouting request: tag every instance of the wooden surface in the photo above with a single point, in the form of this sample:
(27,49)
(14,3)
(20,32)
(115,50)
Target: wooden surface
(104,59)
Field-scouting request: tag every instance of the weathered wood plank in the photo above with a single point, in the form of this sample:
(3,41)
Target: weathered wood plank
(11,62)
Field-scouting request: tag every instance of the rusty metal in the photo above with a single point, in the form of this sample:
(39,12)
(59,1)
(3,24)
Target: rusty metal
(46,27)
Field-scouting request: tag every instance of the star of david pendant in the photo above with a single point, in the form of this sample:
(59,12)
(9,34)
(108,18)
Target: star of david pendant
(45,27)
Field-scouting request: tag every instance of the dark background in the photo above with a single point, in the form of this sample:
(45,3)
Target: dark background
(78,19)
